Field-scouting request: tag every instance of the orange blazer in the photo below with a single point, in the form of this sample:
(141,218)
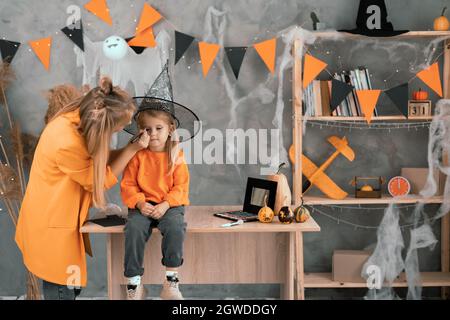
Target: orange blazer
(146,178)
(56,204)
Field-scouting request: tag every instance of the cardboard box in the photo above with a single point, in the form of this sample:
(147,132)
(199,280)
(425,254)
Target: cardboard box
(417,177)
(348,264)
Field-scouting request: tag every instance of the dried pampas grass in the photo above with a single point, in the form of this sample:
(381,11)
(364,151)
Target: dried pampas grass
(59,97)
(12,185)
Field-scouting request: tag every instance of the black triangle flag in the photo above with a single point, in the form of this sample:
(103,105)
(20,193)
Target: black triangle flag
(75,33)
(339,91)
(8,50)
(399,96)
(182,43)
(235,57)
(136,49)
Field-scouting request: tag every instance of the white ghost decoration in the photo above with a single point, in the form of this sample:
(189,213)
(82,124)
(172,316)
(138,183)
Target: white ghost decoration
(115,47)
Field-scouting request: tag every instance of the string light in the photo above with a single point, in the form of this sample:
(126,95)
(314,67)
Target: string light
(356,225)
(362,125)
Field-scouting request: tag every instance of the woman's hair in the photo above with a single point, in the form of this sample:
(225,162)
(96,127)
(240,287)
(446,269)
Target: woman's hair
(102,111)
(172,144)
(59,97)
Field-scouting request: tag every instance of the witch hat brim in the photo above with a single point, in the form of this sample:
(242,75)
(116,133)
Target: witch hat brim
(376,32)
(187,122)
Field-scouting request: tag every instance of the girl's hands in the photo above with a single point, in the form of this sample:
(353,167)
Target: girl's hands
(159,210)
(155,212)
(145,208)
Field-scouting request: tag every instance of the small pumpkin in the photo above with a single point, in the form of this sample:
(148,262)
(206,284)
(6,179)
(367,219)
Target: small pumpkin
(441,23)
(301,214)
(283,195)
(286,215)
(265,214)
(420,95)
(366,187)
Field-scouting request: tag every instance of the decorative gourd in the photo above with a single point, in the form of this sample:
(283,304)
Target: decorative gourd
(286,215)
(420,95)
(301,214)
(265,214)
(366,188)
(283,195)
(441,23)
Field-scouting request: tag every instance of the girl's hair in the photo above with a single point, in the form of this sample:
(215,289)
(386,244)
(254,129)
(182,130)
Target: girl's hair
(102,111)
(172,144)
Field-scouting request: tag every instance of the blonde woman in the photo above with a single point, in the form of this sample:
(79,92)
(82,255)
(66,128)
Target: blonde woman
(71,169)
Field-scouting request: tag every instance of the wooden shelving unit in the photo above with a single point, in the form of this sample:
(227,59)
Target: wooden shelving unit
(324,280)
(386,199)
(374,119)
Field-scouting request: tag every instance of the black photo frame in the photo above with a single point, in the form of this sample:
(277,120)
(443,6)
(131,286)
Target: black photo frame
(254,183)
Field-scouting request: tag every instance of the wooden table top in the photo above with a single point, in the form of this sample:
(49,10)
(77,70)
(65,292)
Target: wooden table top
(200,219)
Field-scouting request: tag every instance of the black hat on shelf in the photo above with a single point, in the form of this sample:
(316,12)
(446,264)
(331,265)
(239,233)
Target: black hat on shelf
(372,20)
(160,97)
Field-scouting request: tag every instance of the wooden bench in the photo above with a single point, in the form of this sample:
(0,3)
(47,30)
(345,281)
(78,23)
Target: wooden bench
(250,253)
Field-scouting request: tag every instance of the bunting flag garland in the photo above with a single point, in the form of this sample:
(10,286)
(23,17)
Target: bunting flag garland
(312,67)
(42,49)
(399,96)
(8,50)
(235,57)
(182,43)
(339,90)
(100,9)
(432,78)
(75,33)
(145,39)
(208,52)
(144,32)
(368,101)
(149,17)
(266,51)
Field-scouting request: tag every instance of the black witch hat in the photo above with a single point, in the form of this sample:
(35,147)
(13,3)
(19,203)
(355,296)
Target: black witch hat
(372,20)
(160,97)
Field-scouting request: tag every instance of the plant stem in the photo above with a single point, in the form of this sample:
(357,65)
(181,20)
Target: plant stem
(7,108)
(4,152)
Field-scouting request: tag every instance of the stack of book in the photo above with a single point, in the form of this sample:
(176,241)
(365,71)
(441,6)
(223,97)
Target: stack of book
(317,96)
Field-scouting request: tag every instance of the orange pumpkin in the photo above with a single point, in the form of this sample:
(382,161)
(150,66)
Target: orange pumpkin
(283,195)
(420,95)
(441,23)
(301,214)
(265,214)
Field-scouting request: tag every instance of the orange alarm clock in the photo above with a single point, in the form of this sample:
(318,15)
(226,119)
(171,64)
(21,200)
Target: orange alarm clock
(399,186)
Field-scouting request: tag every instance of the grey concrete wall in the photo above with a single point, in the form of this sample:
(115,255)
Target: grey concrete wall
(378,152)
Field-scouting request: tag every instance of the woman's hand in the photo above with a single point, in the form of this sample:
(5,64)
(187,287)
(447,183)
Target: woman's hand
(143,140)
(119,158)
(145,208)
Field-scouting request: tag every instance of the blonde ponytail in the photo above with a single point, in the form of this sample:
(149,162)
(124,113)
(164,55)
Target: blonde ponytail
(102,110)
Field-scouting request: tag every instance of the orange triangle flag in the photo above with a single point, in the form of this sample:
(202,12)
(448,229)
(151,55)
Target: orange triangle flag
(42,48)
(312,67)
(100,9)
(432,78)
(149,17)
(368,101)
(208,52)
(266,51)
(144,39)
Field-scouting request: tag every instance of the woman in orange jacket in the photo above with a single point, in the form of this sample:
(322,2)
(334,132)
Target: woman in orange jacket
(71,169)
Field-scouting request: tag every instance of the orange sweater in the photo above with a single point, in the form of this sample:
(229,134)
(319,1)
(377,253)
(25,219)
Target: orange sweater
(145,179)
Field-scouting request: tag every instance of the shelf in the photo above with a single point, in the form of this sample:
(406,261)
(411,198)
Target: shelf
(411,34)
(324,280)
(309,200)
(380,118)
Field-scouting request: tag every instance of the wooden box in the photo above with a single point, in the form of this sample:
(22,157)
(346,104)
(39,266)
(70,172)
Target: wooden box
(419,108)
